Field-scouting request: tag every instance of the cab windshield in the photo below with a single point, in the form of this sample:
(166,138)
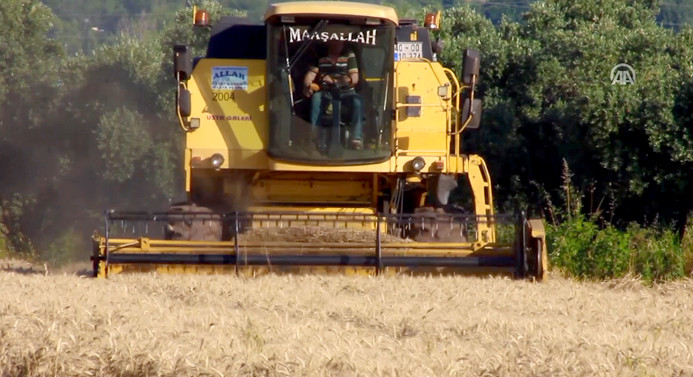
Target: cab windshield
(329,87)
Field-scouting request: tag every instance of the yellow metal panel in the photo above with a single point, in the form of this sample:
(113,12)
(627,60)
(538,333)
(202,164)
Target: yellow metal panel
(380,167)
(399,164)
(316,210)
(230,119)
(234,158)
(331,8)
(424,135)
(254,271)
(186,163)
(302,191)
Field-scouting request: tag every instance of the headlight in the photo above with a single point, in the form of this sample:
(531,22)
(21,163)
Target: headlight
(418,163)
(217,160)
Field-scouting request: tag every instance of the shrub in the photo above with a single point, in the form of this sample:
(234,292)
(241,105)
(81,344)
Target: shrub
(67,247)
(4,242)
(657,254)
(581,248)
(687,246)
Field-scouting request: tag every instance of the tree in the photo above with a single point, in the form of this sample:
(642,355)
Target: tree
(549,97)
(676,14)
(28,88)
(109,140)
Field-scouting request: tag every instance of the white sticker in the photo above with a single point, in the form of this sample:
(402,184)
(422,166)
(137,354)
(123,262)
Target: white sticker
(229,78)
(363,36)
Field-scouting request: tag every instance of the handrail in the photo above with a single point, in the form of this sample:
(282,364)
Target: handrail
(181,122)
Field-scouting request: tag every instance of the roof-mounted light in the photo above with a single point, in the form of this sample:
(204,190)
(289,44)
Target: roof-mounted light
(201,17)
(432,21)
(372,21)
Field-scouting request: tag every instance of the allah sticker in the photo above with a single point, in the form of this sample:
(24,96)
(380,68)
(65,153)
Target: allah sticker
(229,78)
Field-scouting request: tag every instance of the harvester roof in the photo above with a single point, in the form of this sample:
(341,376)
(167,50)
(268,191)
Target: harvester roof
(331,8)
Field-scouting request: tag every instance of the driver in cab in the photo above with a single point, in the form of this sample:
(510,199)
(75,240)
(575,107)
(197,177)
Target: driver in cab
(339,68)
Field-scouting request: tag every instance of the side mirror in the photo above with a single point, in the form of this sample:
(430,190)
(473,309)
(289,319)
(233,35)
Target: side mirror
(472,110)
(183,102)
(182,63)
(470,65)
(437,46)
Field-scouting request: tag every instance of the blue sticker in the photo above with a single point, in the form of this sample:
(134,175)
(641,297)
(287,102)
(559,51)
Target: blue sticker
(229,78)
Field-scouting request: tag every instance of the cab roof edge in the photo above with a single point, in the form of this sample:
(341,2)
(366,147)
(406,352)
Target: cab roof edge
(331,8)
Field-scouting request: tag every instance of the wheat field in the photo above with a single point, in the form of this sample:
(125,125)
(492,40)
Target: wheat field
(59,324)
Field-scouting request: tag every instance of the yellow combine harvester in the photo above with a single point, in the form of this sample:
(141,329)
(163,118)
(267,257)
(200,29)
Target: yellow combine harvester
(327,139)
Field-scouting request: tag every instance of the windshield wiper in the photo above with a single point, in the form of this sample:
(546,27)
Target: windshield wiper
(290,62)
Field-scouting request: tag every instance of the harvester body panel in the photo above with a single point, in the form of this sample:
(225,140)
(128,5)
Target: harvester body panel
(229,99)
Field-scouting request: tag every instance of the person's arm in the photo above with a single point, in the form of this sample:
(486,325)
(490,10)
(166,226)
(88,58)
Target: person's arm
(353,69)
(308,79)
(354,76)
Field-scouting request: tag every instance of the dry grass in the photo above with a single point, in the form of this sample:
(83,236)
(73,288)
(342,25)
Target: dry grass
(147,325)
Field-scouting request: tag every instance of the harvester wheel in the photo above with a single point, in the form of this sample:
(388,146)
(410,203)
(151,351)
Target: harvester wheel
(539,260)
(536,260)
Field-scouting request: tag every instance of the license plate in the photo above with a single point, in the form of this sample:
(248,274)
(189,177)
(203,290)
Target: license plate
(406,50)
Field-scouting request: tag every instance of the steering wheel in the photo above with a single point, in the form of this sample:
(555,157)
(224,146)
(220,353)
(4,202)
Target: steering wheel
(325,85)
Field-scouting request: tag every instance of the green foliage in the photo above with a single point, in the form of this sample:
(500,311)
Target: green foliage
(5,246)
(27,56)
(122,142)
(96,138)
(580,248)
(66,247)
(548,97)
(675,14)
(658,253)
(82,26)
(12,240)
(28,62)
(511,10)
(687,246)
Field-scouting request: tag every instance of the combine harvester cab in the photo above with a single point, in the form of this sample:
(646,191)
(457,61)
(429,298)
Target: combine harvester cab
(326,140)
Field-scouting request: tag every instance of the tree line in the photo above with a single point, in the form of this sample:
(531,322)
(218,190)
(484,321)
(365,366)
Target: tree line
(80,133)
(81,26)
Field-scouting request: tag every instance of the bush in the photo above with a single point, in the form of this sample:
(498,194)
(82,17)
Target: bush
(4,242)
(13,241)
(581,248)
(657,254)
(68,247)
(687,246)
